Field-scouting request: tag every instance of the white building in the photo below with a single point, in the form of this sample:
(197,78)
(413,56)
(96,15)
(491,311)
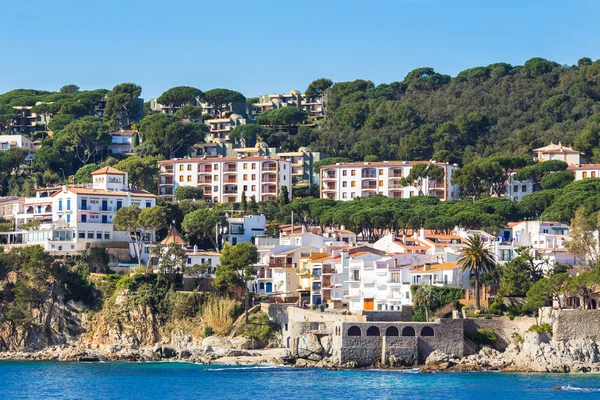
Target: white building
(558,152)
(516,190)
(78,216)
(584,171)
(244,229)
(346,181)
(122,141)
(17,142)
(223,180)
(221,127)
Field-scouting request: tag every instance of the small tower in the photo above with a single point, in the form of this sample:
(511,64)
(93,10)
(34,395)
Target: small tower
(109,178)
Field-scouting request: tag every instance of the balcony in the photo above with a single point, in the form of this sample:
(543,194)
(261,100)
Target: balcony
(368,187)
(329,187)
(270,189)
(328,270)
(166,170)
(230,190)
(269,178)
(395,174)
(269,167)
(303,271)
(204,169)
(436,185)
(230,179)
(395,186)
(282,265)
(369,174)
(264,274)
(166,180)
(329,175)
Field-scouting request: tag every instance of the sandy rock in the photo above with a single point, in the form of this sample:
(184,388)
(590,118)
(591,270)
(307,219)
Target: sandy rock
(216,341)
(241,343)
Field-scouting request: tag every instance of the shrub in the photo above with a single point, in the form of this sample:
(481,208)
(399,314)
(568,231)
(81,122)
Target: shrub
(218,314)
(486,336)
(259,327)
(208,331)
(496,308)
(517,338)
(185,305)
(443,296)
(465,308)
(541,328)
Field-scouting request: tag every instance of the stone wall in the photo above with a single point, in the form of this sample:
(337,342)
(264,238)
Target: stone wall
(368,348)
(503,327)
(571,325)
(404,315)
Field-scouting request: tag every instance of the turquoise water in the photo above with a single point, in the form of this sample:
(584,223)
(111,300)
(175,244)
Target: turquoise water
(42,380)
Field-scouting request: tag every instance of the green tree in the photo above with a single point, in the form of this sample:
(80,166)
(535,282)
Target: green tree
(188,193)
(236,268)
(180,95)
(246,134)
(557,180)
(139,223)
(123,105)
(318,87)
(169,136)
(83,174)
(87,136)
(476,258)
(69,89)
(202,223)
(425,296)
(171,261)
(284,196)
(142,172)
(583,241)
(421,175)
(221,98)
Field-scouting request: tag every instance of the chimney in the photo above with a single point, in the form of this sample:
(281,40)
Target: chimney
(303,229)
(404,239)
(126,181)
(195,249)
(422,233)
(425,267)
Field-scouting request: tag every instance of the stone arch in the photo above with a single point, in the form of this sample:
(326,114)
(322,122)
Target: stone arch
(408,331)
(427,331)
(391,331)
(354,331)
(373,331)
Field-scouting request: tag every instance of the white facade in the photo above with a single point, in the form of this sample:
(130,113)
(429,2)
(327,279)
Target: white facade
(245,229)
(347,181)
(122,142)
(516,190)
(221,127)
(17,142)
(584,171)
(76,216)
(558,152)
(223,180)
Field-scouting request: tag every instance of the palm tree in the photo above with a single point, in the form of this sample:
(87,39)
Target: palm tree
(476,258)
(426,296)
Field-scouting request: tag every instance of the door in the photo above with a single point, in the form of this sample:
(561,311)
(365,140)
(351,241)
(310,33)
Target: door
(119,204)
(83,205)
(104,205)
(83,217)
(269,287)
(105,219)
(369,305)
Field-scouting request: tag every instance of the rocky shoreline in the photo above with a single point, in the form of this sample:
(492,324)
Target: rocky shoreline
(535,353)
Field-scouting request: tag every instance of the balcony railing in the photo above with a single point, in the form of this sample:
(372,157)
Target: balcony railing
(282,265)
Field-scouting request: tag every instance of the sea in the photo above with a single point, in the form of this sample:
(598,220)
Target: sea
(171,380)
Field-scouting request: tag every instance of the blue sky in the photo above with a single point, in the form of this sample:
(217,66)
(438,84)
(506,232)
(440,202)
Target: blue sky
(265,47)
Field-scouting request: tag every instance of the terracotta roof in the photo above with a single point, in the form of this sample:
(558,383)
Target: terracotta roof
(436,267)
(583,166)
(381,164)
(120,193)
(108,170)
(173,237)
(220,159)
(203,253)
(443,237)
(124,133)
(556,148)
(411,246)
(318,256)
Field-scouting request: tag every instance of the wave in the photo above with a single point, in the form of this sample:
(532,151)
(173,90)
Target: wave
(399,371)
(570,388)
(244,368)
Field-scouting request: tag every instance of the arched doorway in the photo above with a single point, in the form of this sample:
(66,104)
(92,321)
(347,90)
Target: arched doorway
(269,287)
(391,331)
(427,331)
(373,331)
(354,331)
(408,331)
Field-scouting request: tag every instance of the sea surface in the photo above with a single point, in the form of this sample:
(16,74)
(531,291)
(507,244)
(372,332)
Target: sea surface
(121,380)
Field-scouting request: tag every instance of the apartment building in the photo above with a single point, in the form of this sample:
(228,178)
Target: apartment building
(558,152)
(219,128)
(8,142)
(584,171)
(122,141)
(516,190)
(236,107)
(314,106)
(347,181)
(244,229)
(223,180)
(77,216)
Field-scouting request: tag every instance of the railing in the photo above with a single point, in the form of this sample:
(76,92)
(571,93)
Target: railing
(264,275)
(269,169)
(282,265)
(329,176)
(302,271)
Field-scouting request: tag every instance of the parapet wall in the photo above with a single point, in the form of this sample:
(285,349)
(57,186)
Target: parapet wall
(503,327)
(575,324)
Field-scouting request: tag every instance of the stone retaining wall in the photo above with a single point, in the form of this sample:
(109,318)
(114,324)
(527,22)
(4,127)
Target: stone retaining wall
(503,327)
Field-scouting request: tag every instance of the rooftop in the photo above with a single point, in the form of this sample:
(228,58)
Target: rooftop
(447,266)
(108,170)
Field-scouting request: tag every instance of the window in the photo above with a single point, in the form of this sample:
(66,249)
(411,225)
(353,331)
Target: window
(68,218)
(344,173)
(516,188)
(216,178)
(353,172)
(352,195)
(148,204)
(344,184)
(68,204)
(106,235)
(245,177)
(245,165)
(381,172)
(60,205)
(523,188)
(245,188)
(215,188)
(181,178)
(189,178)
(81,235)
(83,217)
(253,165)
(181,167)
(585,175)
(353,184)
(99,235)
(119,204)
(253,177)
(407,296)
(593,174)
(284,166)
(216,167)
(380,183)
(90,235)
(344,195)
(189,167)
(253,187)
(189,260)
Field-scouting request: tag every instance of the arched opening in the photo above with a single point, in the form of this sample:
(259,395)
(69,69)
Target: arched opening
(261,286)
(373,331)
(427,331)
(391,331)
(269,287)
(408,331)
(354,331)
